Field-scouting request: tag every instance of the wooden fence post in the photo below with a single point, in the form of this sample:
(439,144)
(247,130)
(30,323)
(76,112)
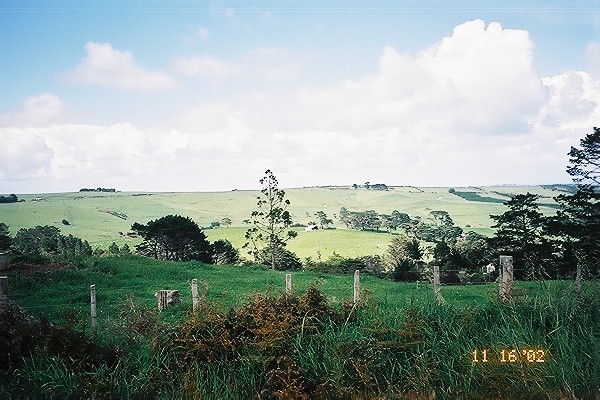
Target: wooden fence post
(506,277)
(3,293)
(578,279)
(436,284)
(195,294)
(161,296)
(356,286)
(93,309)
(288,284)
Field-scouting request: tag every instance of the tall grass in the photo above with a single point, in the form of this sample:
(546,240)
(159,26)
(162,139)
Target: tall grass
(396,344)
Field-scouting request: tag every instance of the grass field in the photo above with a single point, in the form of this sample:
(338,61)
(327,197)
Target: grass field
(99,217)
(399,345)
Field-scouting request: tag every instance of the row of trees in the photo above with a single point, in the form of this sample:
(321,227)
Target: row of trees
(370,220)
(41,243)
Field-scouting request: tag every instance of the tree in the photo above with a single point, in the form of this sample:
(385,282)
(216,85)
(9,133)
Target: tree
(269,233)
(226,222)
(175,238)
(402,257)
(224,253)
(37,241)
(577,224)
(5,240)
(323,220)
(520,234)
(585,162)
(473,251)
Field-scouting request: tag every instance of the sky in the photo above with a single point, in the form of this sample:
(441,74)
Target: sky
(186,95)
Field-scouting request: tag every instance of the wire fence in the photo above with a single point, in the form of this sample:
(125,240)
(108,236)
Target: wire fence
(103,302)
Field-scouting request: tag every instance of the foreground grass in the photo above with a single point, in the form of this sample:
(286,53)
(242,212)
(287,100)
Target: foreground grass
(310,345)
(58,292)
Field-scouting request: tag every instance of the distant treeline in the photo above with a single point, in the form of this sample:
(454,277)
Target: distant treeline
(12,198)
(97,190)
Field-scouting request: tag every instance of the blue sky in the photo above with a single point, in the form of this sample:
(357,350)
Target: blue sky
(191,95)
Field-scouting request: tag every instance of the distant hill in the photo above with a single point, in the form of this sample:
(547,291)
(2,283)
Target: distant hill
(104,217)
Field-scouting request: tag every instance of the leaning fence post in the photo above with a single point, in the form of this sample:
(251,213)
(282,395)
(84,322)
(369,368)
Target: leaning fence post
(93,309)
(195,294)
(288,284)
(436,284)
(356,286)
(506,280)
(3,293)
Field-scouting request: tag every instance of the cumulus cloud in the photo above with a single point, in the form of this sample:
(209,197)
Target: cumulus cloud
(38,110)
(469,110)
(24,155)
(106,66)
(478,80)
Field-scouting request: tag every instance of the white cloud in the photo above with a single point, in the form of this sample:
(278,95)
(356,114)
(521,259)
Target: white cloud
(207,67)
(23,155)
(469,110)
(106,66)
(574,101)
(37,110)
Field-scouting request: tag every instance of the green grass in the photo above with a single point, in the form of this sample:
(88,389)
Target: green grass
(98,217)
(398,345)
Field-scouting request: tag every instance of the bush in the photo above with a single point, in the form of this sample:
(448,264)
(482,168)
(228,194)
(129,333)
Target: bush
(287,260)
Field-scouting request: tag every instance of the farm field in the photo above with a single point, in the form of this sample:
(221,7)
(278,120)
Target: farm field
(103,217)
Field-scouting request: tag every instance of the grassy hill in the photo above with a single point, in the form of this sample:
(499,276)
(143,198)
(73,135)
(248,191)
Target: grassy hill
(102,218)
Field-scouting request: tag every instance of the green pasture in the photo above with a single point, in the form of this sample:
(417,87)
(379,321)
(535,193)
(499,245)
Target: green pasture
(56,292)
(94,216)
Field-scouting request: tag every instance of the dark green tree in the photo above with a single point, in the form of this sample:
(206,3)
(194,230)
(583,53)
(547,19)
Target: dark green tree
(520,233)
(224,253)
(585,161)
(473,251)
(323,220)
(269,233)
(576,225)
(114,249)
(37,241)
(403,257)
(175,238)
(5,240)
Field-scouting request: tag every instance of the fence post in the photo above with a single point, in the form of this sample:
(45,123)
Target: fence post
(288,284)
(436,284)
(93,309)
(162,300)
(578,279)
(356,286)
(3,293)
(195,294)
(506,277)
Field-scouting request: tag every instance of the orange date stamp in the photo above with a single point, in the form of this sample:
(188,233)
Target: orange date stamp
(509,356)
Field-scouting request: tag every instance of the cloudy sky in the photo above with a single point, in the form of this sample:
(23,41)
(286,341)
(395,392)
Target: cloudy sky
(186,95)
